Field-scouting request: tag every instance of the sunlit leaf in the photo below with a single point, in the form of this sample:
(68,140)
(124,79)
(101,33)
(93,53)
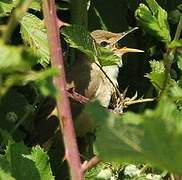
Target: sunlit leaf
(154,20)
(5,175)
(14,58)
(34,34)
(157,75)
(41,161)
(27,164)
(79,38)
(6,7)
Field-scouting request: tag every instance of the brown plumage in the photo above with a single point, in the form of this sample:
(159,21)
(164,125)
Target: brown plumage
(89,80)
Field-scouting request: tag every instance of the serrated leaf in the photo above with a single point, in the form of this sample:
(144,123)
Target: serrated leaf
(154,20)
(26,164)
(157,75)
(13,58)
(41,160)
(106,57)
(21,167)
(79,38)
(136,138)
(34,34)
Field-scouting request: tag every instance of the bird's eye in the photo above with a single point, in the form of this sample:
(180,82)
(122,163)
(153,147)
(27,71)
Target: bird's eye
(104,43)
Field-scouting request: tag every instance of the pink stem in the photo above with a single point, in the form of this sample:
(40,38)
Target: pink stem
(63,105)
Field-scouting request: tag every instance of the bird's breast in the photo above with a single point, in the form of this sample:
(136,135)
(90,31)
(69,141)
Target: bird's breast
(105,88)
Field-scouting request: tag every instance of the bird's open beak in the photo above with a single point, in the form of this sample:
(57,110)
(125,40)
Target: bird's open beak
(125,50)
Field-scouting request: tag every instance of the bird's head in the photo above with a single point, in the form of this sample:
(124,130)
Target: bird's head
(109,40)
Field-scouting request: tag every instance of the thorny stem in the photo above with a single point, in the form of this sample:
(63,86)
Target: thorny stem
(16,16)
(66,123)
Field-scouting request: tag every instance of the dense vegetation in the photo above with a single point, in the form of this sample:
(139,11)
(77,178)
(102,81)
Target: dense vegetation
(142,143)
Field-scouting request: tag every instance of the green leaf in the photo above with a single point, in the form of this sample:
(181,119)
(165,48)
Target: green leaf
(178,56)
(42,79)
(34,34)
(137,138)
(106,57)
(13,58)
(175,44)
(41,160)
(26,164)
(5,175)
(157,75)
(44,82)
(154,20)
(80,39)
(21,167)
(35,5)
(6,7)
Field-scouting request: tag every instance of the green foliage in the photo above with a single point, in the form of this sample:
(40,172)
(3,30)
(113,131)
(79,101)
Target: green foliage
(154,20)
(157,76)
(151,136)
(13,58)
(137,137)
(85,43)
(5,8)
(34,34)
(23,163)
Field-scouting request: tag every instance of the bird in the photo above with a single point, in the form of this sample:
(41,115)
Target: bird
(93,81)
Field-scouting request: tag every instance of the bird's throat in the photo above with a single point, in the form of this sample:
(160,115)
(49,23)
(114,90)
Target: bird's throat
(112,73)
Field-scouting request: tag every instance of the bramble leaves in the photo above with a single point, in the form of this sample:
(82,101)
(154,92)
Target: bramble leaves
(157,75)
(153,19)
(23,163)
(79,38)
(135,137)
(34,34)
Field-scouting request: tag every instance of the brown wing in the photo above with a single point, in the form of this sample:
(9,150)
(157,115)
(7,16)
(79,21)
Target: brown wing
(85,77)
(80,75)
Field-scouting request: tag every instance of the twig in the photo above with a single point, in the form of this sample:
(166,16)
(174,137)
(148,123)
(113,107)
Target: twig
(71,149)
(16,16)
(91,163)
